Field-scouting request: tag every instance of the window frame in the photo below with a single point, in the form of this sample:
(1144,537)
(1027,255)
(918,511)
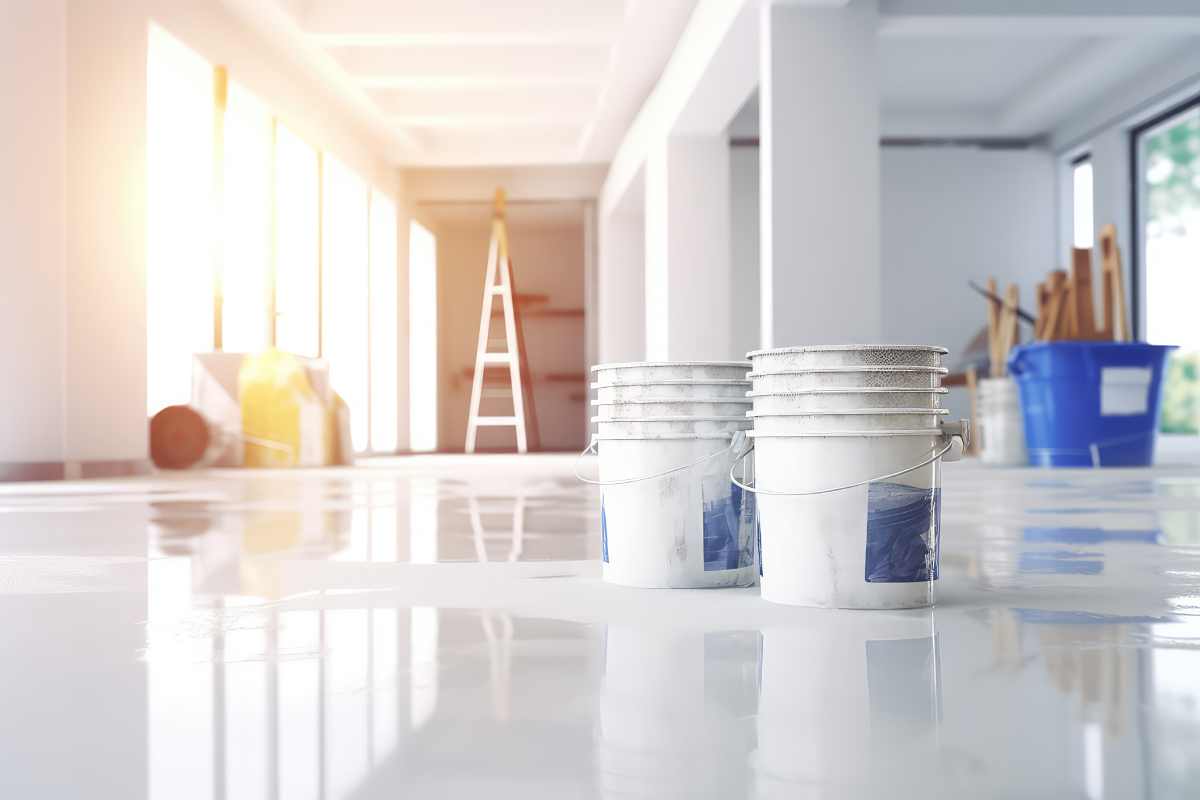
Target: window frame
(1137,205)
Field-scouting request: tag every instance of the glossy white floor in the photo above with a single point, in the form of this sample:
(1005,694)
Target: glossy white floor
(436,628)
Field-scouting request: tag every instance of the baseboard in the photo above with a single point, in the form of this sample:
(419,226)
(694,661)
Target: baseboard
(26,471)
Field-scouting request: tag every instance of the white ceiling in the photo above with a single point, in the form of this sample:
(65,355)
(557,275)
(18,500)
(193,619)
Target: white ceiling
(475,82)
(1010,83)
(964,75)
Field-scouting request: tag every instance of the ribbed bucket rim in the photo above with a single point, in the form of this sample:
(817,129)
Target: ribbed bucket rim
(848,348)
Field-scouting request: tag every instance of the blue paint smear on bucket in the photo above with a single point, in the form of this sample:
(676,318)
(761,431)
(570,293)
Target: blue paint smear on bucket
(902,533)
(758,544)
(1040,616)
(1061,562)
(603,533)
(1090,535)
(722,526)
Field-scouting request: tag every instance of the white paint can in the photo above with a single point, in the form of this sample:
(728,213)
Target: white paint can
(850,519)
(671,390)
(670,515)
(1001,427)
(846,399)
(642,371)
(630,409)
(846,355)
(848,378)
(870,419)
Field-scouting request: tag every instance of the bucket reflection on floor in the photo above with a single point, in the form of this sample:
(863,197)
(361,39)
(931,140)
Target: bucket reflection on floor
(677,713)
(849,707)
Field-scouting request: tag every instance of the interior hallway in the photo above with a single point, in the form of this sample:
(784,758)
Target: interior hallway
(351,633)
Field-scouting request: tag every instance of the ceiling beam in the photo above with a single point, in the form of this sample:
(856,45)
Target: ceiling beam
(1033,18)
(571,103)
(462,18)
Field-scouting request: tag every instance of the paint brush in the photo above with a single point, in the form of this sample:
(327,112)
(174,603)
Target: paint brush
(1023,314)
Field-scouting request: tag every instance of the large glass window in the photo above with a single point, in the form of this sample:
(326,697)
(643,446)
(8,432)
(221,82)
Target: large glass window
(1082,196)
(422,339)
(179,217)
(384,326)
(246,232)
(1168,153)
(290,247)
(297,252)
(344,294)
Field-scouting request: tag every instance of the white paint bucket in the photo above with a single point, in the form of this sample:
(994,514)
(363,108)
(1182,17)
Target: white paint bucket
(844,399)
(1001,427)
(629,409)
(643,426)
(671,390)
(846,355)
(670,516)
(848,378)
(870,419)
(850,519)
(640,372)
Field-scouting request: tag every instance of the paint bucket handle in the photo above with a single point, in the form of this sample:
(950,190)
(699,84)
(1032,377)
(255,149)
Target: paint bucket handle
(954,433)
(735,442)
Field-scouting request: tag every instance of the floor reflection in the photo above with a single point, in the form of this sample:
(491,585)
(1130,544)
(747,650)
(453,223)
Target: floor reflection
(300,636)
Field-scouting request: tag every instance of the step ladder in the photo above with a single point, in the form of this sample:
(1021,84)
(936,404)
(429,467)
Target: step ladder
(499,283)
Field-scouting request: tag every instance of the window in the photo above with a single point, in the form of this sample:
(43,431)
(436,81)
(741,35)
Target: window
(384,326)
(422,339)
(255,238)
(246,228)
(297,234)
(1167,265)
(179,217)
(1083,230)
(344,294)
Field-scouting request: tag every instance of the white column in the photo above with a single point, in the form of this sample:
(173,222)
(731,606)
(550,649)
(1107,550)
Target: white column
(688,258)
(619,285)
(819,165)
(33,148)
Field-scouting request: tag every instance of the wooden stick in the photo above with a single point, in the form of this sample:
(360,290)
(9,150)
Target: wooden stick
(972,393)
(1055,306)
(993,326)
(1082,294)
(1111,259)
(1008,325)
(1043,298)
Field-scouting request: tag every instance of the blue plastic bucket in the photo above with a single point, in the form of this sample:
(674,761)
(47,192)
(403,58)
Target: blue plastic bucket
(1090,404)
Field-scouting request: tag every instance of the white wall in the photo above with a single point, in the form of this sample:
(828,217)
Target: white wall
(78,151)
(744,213)
(33,151)
(949,215)
(955,214)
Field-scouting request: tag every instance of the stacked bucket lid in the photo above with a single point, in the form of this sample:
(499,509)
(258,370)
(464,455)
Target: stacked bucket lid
(664,433)
(846,443)
(670,398)
(846,388)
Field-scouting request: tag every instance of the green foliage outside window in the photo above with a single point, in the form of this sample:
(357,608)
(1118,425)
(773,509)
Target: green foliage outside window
(1172,175)
(1181,394)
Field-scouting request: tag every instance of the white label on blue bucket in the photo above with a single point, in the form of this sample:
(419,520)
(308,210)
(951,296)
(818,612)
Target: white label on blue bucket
(728,540)
(1125,391)
(902,533)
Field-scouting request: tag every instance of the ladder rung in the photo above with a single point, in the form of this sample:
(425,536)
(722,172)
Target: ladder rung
(492,422)
(497,358)
(497,289)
